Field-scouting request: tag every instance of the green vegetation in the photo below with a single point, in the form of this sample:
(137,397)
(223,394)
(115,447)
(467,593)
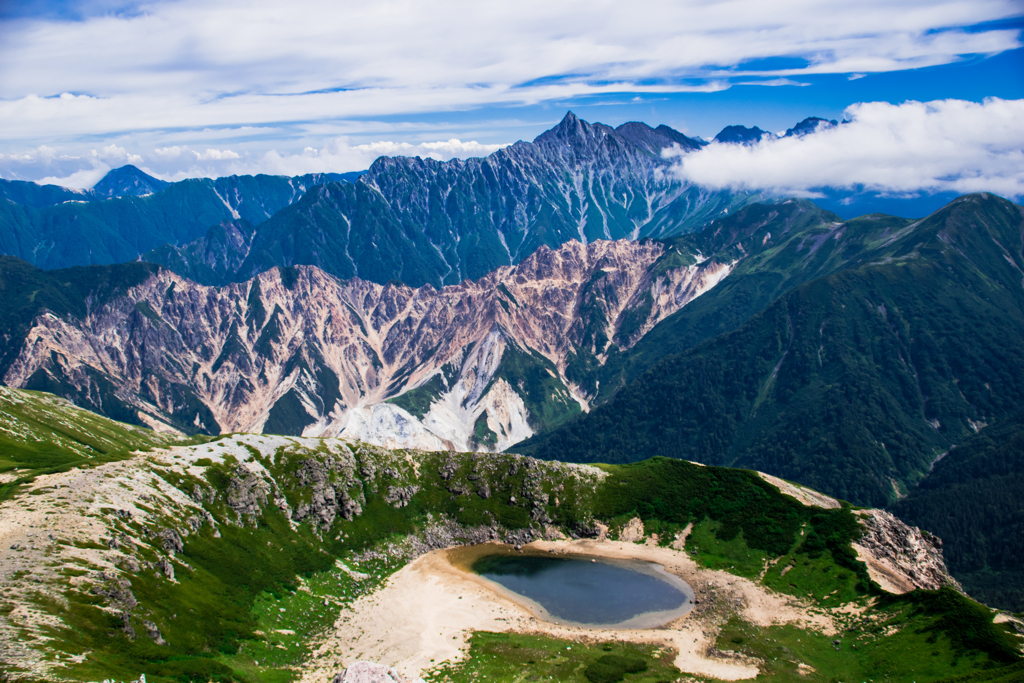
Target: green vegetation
(972,501)
(417,401)
(849,382)
(921,636)
(41,434)
(742,524)
(252,592)
(482,434)
(537,382)
(512,657)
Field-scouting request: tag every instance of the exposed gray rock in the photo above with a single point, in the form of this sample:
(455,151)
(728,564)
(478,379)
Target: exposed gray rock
(204,494)
(448,469)
(171,541)
(129,563)
(900,557)
(126,627)
(399,496)
(153,632)
(329,481)
(117,591)
(247,494)
(166,568)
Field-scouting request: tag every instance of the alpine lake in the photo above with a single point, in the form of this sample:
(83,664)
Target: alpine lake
(586,590)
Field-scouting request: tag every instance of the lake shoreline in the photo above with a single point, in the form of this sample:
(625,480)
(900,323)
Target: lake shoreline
(639,620)
(428,610)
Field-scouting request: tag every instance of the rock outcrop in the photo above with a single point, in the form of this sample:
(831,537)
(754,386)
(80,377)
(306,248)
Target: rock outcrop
(899,557)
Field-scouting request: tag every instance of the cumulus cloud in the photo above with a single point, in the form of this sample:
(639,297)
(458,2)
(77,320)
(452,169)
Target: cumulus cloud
(338,156)
(940,146)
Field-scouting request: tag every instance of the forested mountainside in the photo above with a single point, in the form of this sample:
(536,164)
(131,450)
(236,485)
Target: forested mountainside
(972,500)
(242,558)
(853,383)
(775,312)
(129,213)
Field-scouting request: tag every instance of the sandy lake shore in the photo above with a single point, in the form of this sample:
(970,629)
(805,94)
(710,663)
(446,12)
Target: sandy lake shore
(427,611)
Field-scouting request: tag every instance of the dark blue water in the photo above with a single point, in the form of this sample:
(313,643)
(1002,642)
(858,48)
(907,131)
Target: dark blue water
(582,591)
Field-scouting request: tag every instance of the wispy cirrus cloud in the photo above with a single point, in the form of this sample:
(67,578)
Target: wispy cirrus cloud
(79,75)
(194,62)
(941,146)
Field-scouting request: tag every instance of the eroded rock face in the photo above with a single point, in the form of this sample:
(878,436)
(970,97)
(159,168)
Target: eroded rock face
(899,557)
(247,494)
(302,352)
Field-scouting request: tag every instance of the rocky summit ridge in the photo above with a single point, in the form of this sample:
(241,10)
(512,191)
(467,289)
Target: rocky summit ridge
(440,222)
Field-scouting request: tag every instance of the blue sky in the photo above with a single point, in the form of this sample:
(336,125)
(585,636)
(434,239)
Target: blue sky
(192,87)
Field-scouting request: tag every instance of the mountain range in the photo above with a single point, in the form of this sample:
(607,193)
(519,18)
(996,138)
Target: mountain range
(417,220)
(566,298)
(129,213)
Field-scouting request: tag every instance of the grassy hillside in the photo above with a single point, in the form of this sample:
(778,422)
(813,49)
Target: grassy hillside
(972,500)
(228,558)
(852,383)
(42,434)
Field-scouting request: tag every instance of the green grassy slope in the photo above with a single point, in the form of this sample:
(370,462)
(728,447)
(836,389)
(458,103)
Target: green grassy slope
(42,434)
(252,590)
(852,383)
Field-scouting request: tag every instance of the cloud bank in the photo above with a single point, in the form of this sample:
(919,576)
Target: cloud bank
(182,161)
(914,147)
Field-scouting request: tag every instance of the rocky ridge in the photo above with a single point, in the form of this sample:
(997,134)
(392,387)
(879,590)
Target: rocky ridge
(481,365)
(900,557)
(425,221)
(131,540)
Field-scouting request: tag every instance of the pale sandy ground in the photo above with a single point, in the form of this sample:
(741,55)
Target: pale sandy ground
(38,533)
(807,496)
(426,612)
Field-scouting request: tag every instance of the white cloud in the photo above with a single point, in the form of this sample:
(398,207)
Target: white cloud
(946,145)
(336,156)
(197,63)
(48,165)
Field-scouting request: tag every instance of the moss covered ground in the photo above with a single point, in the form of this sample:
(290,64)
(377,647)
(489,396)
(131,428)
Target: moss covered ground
(513,657)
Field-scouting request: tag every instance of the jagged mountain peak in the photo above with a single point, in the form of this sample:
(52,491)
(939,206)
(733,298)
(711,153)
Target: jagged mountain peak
(128,181)
(811,124)
(741,135)
(654,140)
(574,129)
